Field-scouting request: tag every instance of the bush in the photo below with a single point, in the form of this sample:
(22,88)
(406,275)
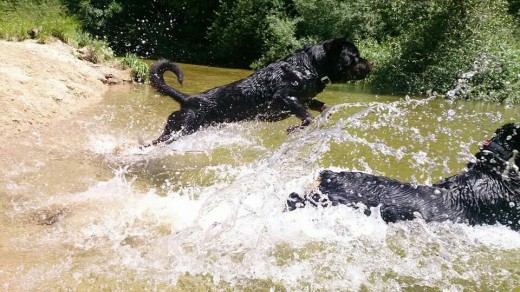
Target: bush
(279,40)
(239,34)
(140,69)
(93,50)
(171,29)
(493,72)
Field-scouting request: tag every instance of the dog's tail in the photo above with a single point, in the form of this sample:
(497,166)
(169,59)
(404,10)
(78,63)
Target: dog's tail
(157,79)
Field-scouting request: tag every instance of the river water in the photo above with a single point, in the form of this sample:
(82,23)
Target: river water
(84,209)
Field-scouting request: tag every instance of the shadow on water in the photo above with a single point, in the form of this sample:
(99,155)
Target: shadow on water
(206,212)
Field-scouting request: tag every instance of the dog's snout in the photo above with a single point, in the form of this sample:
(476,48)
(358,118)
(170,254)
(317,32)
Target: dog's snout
(366,65)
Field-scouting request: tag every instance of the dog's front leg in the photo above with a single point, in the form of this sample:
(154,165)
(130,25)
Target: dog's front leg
(296,107)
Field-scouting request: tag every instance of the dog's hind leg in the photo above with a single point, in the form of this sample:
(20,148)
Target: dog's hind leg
(314,198)
(179,123)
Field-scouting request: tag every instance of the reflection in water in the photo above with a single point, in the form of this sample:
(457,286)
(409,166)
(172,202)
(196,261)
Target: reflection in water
(206,212)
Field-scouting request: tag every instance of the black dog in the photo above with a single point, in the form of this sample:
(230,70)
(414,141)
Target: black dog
(487,193)
(286,87)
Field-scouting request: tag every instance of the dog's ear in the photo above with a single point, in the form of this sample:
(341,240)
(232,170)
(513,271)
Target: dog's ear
(334,46)
(514,136)
(508,136)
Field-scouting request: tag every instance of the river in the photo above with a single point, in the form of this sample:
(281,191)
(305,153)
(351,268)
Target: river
(85,209)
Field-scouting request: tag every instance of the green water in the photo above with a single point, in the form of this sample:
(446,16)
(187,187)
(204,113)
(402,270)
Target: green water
(442,133)
(206,212)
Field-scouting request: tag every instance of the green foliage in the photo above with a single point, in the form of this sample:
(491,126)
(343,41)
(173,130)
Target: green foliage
(493,77)
(325,19)
(139,68)
(514,9)
(279,40)
(462,49)
(171,29)
(491,67)
(97,14)
(93,50)
(242,29)
(427,48)
(17,17)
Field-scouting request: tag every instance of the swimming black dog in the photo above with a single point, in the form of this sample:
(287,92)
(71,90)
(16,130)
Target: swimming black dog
(488,192)
(286,87)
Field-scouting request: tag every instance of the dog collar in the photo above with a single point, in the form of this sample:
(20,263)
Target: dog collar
(497,150)
(325,80)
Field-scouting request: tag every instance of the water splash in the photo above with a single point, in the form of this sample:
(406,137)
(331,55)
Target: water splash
(229,229)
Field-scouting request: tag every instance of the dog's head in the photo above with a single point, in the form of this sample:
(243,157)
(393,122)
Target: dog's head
(503,146)
(342,61)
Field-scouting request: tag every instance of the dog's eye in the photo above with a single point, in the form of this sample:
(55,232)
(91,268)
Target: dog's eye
(353,57)
(347,58)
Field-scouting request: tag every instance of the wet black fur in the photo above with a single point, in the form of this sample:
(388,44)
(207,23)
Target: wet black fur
(286,87)
(488,192)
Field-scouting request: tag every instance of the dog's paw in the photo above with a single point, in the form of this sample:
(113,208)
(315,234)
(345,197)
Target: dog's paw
(294,128)
(294,201)
(141,141)
(328,111)
(325,107)
(301,126)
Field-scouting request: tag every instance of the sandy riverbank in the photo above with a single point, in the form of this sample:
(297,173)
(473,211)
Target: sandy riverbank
(41,84)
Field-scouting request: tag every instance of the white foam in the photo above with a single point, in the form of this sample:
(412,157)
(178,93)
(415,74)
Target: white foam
(235,229)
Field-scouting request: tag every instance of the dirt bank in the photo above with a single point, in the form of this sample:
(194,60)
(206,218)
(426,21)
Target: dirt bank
(41,84)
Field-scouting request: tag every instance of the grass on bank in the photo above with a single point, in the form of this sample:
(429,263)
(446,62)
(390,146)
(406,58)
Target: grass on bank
(46,17)
(47,21)
(139,68)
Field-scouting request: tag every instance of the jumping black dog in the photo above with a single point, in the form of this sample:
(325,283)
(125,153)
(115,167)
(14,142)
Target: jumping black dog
(488,192)
(286,87)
